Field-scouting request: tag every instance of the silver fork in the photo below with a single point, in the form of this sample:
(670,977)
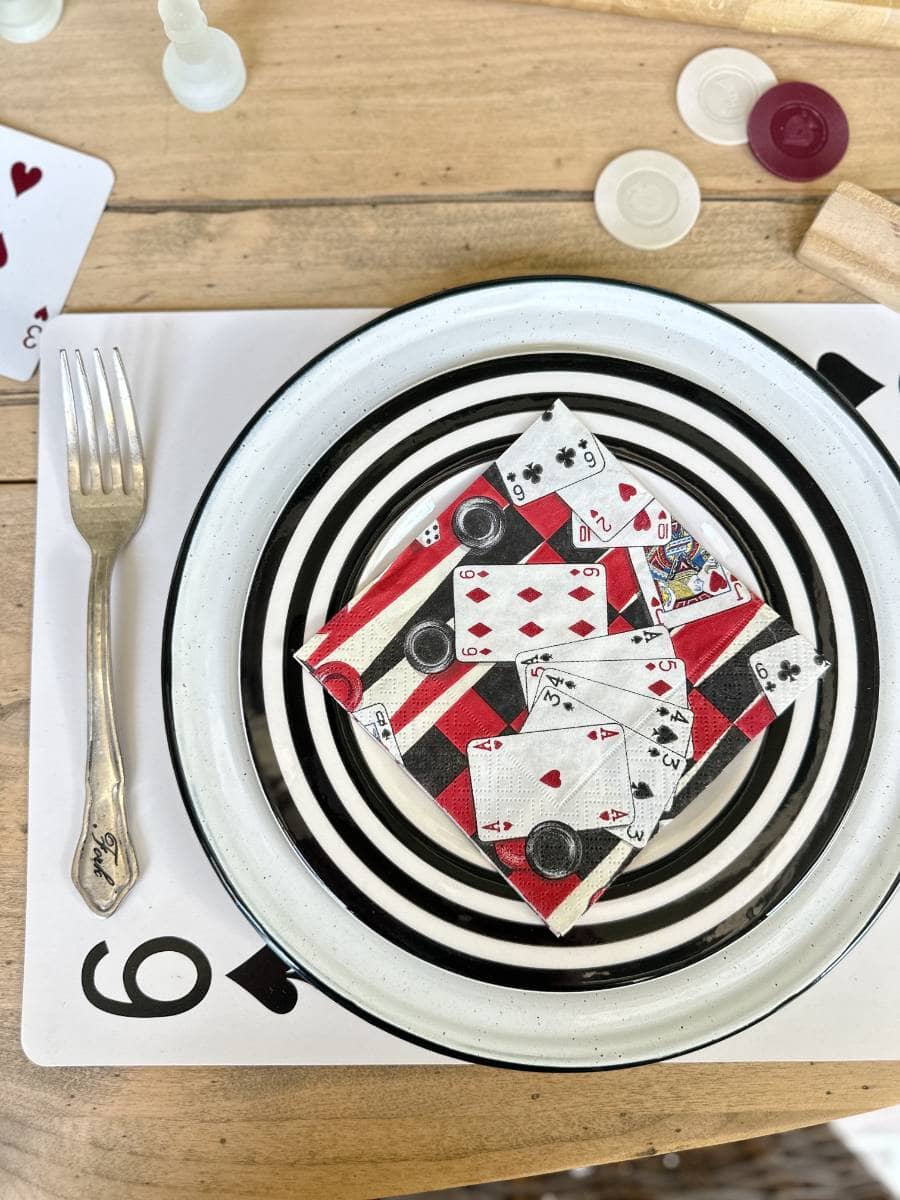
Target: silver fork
(107,508)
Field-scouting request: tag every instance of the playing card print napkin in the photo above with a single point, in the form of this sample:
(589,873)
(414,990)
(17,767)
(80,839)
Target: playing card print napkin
(560,664)
(51,199)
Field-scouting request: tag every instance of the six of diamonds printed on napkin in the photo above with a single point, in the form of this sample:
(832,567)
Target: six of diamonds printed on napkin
(560,665)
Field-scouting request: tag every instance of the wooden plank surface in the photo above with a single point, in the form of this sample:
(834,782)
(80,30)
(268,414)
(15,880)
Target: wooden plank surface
(861,22)
(388,253)
(452,97)
(381,151)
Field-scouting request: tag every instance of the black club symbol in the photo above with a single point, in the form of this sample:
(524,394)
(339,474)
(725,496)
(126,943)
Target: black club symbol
(582,445)
(653,752)
(547,415)
(533,472)
(566,456)
(663,712)
(818,659)
(770,686)
(568,705)
(788,671)
(570,685)
(511,477)
(545,658)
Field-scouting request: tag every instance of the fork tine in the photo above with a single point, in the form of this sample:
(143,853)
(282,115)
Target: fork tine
(94,481)
(73,454)
(135,449)
(109,422)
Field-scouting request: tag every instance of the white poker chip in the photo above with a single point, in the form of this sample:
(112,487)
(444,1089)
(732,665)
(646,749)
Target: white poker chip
(717,90)
(647,199)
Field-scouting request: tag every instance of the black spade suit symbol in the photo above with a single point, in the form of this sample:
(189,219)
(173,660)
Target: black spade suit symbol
(852,382)
(268,978)
(641,791)
(664,735)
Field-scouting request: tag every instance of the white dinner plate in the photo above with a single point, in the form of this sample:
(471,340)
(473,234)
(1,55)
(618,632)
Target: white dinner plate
(357,879)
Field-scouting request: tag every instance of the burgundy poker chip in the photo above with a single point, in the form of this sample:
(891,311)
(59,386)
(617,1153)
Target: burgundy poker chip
(798,131)
(342,681)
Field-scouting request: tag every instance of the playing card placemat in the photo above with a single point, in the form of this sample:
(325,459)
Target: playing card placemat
(178,975)
(610,718)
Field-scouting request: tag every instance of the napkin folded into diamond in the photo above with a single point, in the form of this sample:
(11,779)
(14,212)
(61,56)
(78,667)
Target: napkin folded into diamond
(560,664)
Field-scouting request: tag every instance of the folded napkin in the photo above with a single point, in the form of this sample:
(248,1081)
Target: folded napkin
(555,659)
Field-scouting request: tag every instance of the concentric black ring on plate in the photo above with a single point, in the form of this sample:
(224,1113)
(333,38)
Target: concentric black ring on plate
(483,879)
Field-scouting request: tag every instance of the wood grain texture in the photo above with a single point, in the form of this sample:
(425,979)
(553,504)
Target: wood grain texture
(391,253)
(404,98)
(18,442)
(382,150)
(388,253)
(284,1133)
(859,22)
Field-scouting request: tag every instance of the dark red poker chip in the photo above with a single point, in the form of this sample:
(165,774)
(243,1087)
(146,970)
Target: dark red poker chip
(342,681)
(798,131)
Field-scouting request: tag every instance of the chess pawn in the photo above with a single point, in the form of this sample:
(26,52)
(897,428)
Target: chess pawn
(28,20)
(203,67)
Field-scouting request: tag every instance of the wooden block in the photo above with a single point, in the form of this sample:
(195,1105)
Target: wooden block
(855,239)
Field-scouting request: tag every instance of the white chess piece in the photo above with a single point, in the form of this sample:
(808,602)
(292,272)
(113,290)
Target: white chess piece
(28,20)
(203,67)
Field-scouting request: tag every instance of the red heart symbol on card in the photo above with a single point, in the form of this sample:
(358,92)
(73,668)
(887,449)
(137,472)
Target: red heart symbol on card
(42,314)
(552,778)
(24,177)
(626,491)
(717,581)
(3,254)
(593,735)
(642,520)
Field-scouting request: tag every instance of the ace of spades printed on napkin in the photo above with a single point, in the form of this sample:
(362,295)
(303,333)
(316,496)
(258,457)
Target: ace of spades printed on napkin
(560,664)
(51,199)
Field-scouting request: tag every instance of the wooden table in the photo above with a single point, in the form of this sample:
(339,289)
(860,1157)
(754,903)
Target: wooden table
(382,150)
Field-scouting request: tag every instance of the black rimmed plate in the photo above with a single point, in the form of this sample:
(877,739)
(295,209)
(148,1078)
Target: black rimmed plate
(357,878)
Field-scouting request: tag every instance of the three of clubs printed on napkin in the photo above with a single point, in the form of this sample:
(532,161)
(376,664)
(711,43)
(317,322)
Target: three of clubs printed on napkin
(560,665)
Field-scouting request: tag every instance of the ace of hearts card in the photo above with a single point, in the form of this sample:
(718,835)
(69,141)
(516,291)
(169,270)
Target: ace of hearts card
(560,664)
(51,199)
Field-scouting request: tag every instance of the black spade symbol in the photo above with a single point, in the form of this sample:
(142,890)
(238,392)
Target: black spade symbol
(267,977)
(853,384)
(642,791)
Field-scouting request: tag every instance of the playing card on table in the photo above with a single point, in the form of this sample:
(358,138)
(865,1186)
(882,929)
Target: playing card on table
(521,780)
(377,724)
(609,504)
(501,610)
(784,670)
(556,452)
(51,199)
(647,643)
(666,723)
(554,673)
(698,587)
(654,771)
(650,526)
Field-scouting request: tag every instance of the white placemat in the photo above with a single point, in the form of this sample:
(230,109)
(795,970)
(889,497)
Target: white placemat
(177,938)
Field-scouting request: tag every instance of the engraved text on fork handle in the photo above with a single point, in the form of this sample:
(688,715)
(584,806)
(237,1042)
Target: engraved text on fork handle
(105,867)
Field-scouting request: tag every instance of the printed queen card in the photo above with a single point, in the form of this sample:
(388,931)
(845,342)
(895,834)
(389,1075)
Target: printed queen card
(560,664)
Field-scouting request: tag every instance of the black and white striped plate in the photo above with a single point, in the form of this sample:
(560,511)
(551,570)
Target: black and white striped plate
(747,896)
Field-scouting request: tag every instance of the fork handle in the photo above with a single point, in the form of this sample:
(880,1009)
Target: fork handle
(105,866)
